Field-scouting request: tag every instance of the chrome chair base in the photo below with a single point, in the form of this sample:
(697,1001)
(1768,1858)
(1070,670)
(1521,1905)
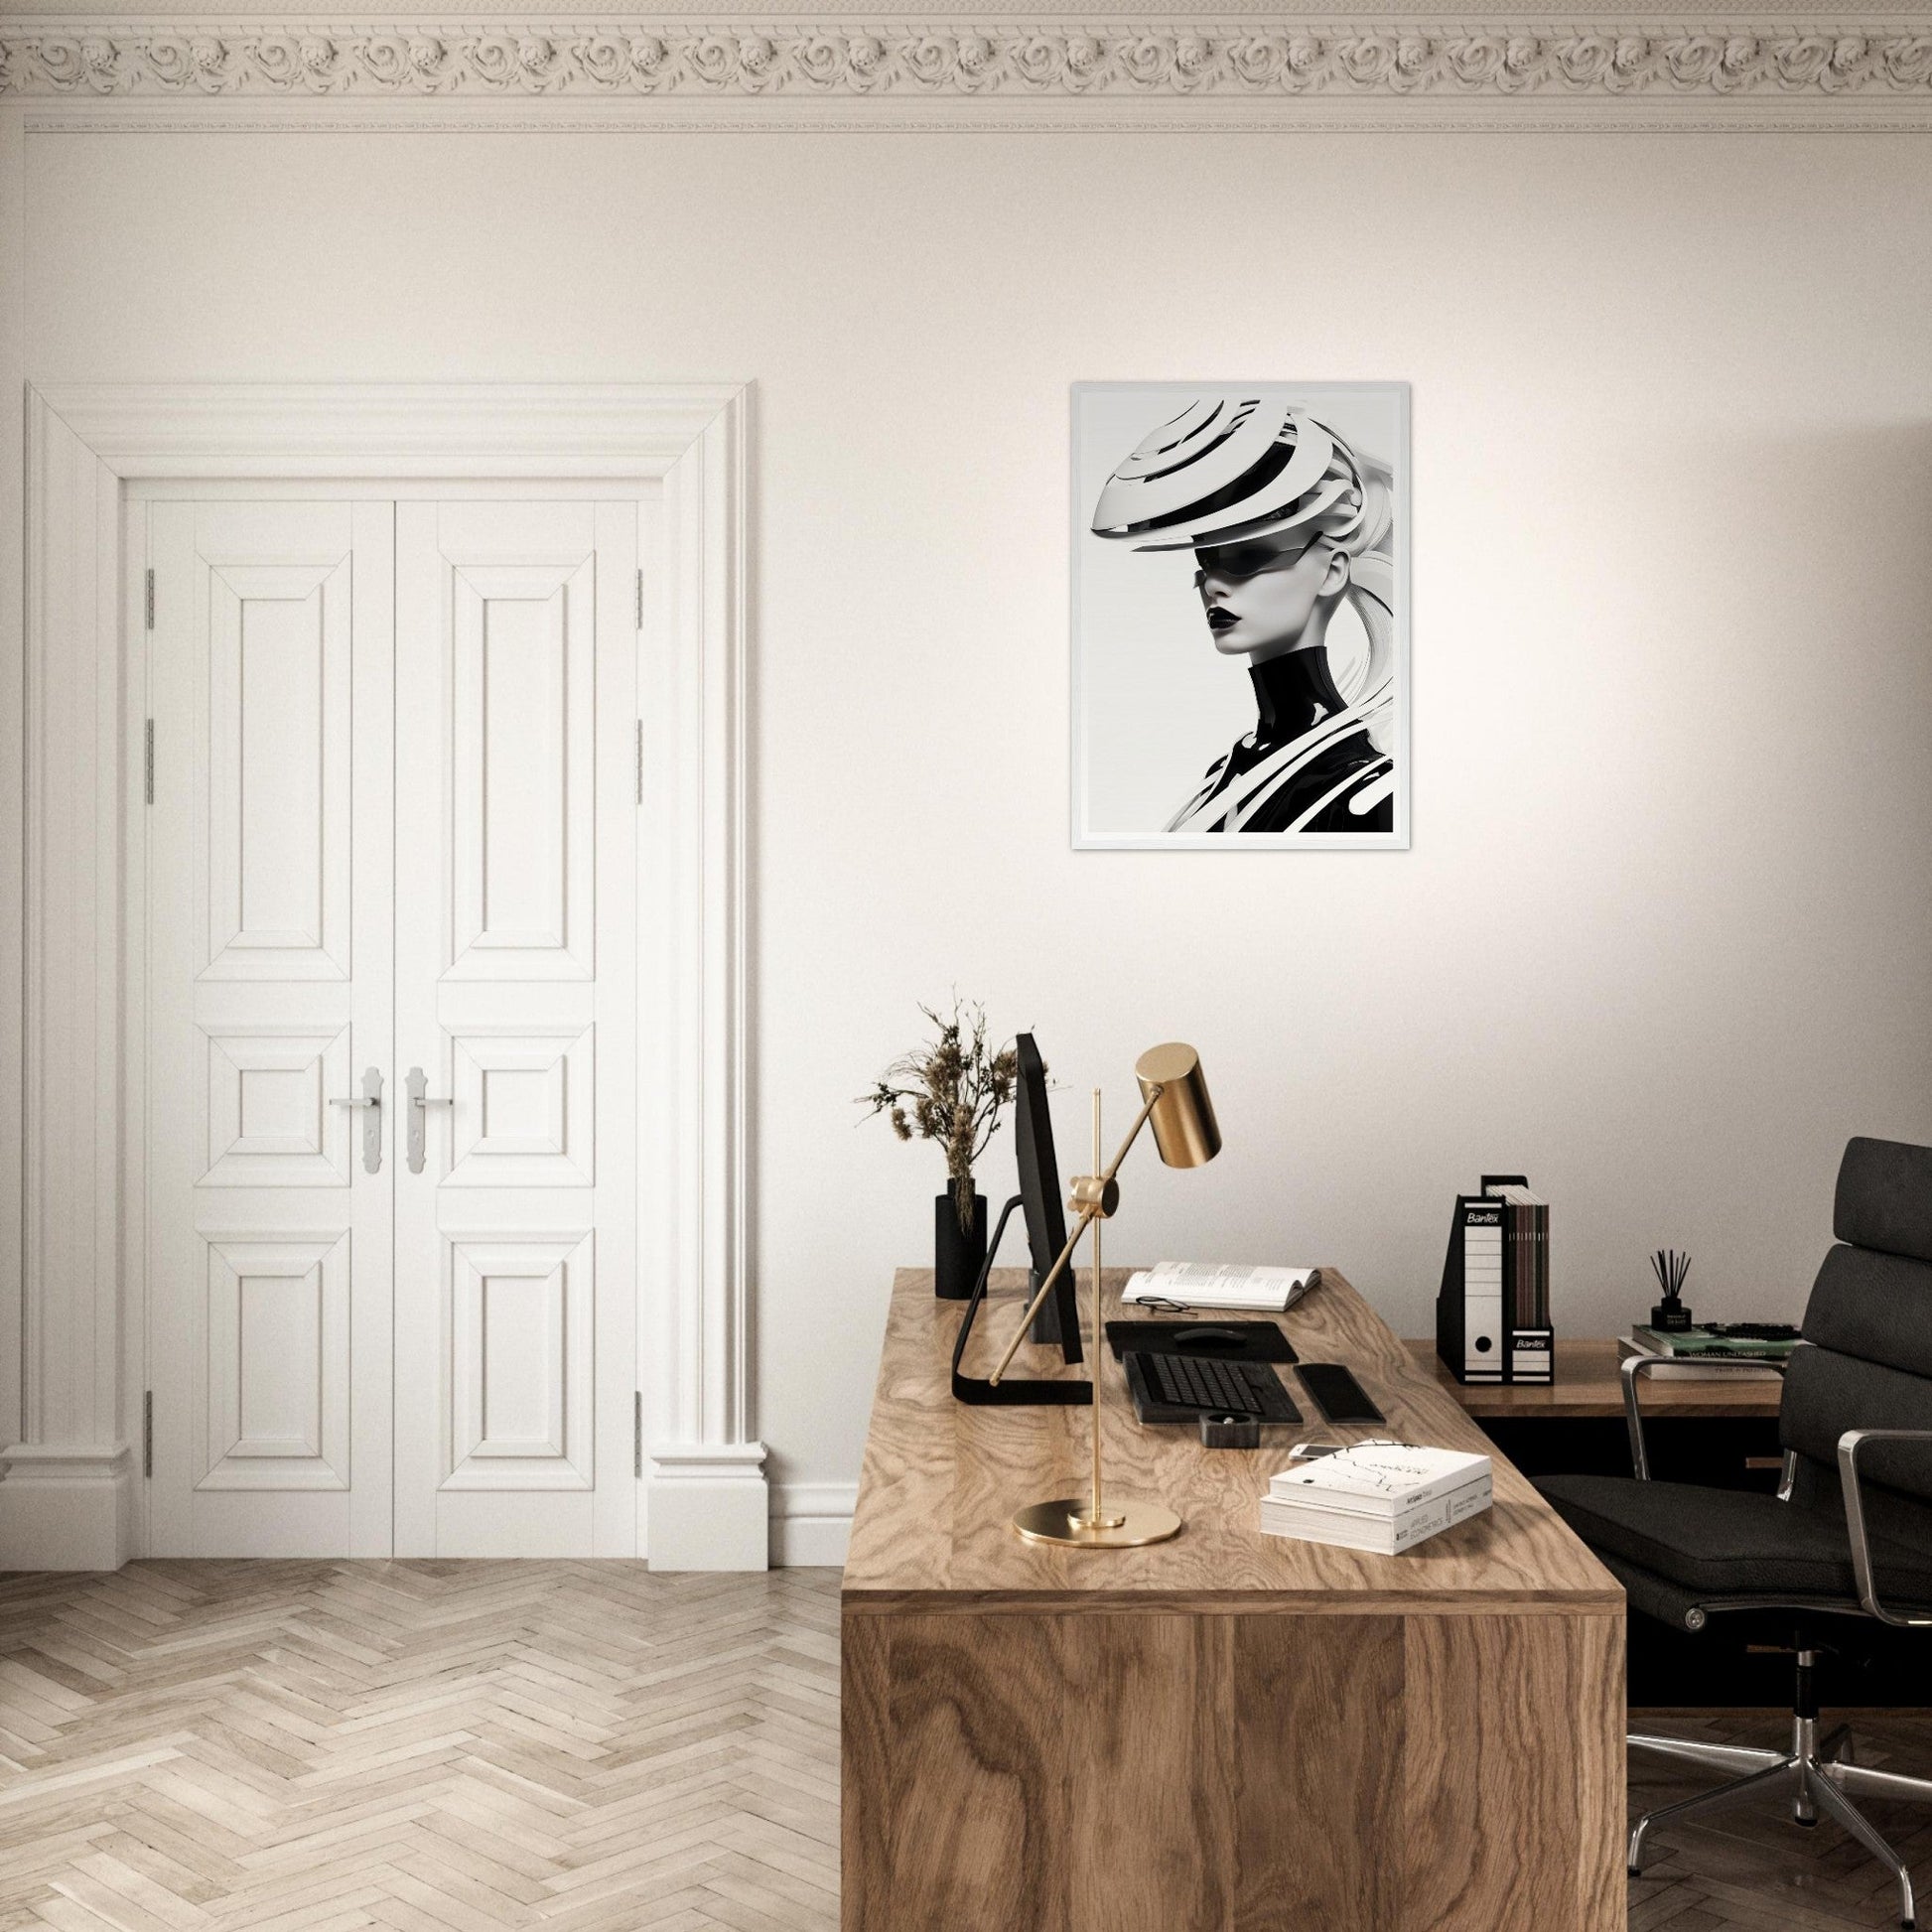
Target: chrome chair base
(1818,1774)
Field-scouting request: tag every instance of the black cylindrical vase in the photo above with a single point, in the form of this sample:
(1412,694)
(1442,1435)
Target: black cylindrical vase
(957,1256)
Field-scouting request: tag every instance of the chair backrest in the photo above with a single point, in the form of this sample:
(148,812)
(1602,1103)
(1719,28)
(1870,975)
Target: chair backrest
(1870,1327)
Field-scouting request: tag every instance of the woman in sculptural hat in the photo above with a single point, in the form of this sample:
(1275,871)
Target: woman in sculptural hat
(1287,522)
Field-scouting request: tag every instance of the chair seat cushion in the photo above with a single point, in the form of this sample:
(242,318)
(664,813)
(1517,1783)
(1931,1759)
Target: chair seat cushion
(1728,1542)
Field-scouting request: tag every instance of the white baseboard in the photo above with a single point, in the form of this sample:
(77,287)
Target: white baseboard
(709,1507)
(811,1523)
(66,1507)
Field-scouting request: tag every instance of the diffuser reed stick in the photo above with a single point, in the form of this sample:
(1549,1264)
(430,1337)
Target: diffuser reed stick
(1671,1267)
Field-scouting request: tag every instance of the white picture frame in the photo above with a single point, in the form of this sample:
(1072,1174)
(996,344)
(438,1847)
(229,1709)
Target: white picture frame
(1179,743)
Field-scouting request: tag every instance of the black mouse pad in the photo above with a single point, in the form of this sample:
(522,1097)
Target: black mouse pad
(1210,1340)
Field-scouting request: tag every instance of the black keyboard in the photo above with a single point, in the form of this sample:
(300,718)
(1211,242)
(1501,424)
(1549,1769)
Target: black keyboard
(1185,1387)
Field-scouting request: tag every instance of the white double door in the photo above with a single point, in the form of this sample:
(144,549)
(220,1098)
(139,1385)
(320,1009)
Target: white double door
(390,860)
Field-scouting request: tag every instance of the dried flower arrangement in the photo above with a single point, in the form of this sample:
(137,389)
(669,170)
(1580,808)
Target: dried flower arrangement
(952,1091)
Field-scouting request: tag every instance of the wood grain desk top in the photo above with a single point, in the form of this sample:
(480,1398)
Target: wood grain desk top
(941,1479)
(1588,1385)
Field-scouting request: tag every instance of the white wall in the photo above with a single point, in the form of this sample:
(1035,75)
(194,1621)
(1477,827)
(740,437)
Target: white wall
(1665,935)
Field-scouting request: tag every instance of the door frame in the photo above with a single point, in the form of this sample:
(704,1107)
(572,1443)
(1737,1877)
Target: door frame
(72,1497)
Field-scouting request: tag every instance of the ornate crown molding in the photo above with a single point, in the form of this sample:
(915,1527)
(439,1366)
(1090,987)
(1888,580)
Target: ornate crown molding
(1238,62)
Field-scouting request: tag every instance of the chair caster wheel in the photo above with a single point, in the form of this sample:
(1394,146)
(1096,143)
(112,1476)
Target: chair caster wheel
(1633,1871)
(1809,1824)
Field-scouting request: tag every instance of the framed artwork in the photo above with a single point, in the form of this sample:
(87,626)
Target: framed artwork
(1240,560)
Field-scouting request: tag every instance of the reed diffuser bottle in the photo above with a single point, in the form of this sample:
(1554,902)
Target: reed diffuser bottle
(1670,1315)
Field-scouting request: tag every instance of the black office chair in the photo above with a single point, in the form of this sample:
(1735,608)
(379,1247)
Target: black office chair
(1846,1540)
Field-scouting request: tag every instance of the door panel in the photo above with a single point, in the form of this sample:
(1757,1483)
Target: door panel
(278,780)
(522,764)
(270,990)
(278,1358)
(525,1108)
(522,1329)
(515,981)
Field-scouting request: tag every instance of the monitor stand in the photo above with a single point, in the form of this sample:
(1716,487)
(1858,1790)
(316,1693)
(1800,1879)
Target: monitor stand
(1013,1391)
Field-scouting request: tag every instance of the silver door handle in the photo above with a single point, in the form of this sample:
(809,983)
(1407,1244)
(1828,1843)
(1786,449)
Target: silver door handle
(371,1098)
(420,1102)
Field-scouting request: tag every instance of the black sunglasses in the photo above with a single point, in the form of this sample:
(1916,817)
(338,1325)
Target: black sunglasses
(1235,563)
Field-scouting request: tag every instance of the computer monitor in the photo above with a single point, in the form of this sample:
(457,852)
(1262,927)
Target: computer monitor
(1059,1321)
(1039,1196)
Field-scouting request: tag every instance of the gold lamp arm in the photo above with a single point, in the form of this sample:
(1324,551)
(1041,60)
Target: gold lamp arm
(1095,1196)
(1087,1217)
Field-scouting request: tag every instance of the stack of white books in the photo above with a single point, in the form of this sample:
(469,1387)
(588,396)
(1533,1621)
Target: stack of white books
(1213,1284)
(1381,1496)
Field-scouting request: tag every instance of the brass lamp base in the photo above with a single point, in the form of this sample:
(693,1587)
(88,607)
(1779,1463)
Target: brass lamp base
(1126,1525)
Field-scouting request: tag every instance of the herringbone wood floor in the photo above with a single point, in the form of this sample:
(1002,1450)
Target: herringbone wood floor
(458,1748)
(321,1747)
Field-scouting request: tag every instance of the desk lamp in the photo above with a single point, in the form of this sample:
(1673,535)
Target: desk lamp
(1175,1100)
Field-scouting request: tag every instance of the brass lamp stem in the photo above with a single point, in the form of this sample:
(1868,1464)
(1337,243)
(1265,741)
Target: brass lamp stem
(1096,1517)
(1100,1187)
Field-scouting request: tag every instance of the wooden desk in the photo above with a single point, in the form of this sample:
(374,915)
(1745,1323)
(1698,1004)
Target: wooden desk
(1227,1732)
(1588,1386)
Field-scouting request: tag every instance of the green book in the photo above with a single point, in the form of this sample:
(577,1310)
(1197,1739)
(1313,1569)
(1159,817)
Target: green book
(1701,1342)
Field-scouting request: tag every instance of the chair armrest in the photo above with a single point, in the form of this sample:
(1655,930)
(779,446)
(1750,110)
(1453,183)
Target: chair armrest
(1849,1446)
(1636,1366)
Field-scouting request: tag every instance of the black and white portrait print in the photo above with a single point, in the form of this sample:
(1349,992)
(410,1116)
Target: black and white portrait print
(1240,614)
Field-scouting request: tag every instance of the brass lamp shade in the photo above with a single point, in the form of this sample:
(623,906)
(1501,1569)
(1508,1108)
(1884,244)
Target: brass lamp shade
(1182,1116)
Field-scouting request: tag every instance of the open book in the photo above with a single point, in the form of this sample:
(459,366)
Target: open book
(1210,1285)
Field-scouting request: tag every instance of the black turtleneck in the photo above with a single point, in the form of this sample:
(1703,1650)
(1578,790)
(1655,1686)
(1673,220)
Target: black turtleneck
(1292,693)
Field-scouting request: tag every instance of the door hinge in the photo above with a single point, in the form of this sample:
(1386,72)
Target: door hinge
(148,756)
(641,761)
(640,598)
(637,1433)
(150,598)
(147,1434)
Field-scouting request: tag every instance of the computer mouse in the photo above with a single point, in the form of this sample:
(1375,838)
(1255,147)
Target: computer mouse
(1208,1337)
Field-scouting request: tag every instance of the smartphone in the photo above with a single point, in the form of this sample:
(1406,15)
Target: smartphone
(1337,1394)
